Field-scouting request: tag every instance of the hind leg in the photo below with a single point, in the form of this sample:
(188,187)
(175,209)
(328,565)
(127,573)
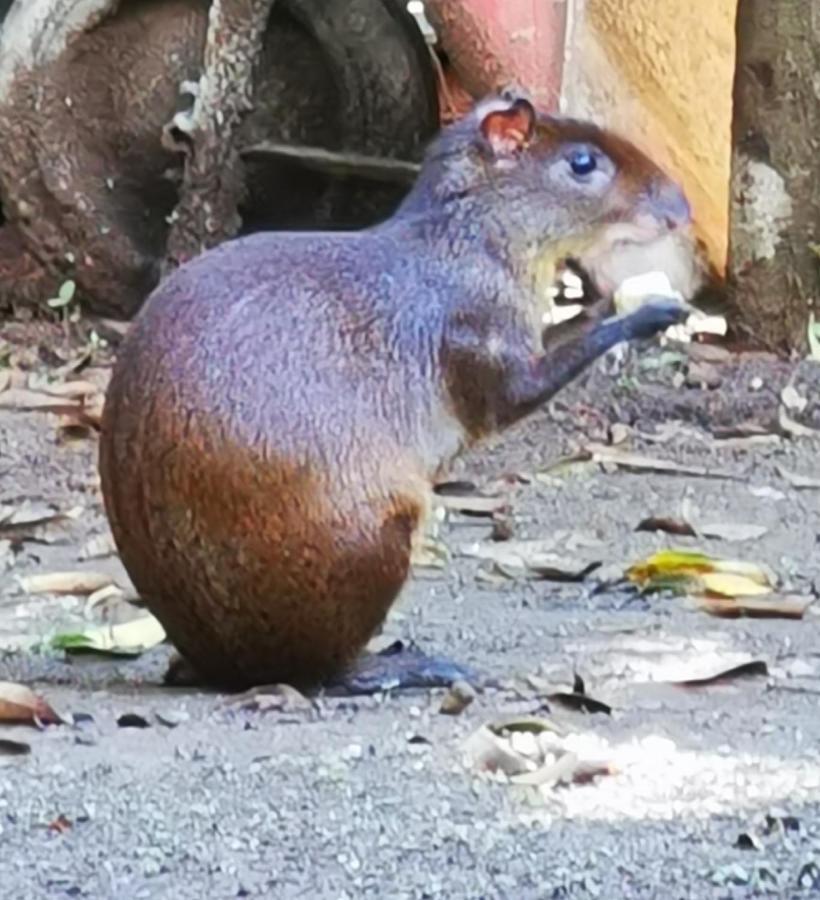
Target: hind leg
(358,586)
(400,666)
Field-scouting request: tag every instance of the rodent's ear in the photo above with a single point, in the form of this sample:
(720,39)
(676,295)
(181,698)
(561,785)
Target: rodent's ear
(509,130)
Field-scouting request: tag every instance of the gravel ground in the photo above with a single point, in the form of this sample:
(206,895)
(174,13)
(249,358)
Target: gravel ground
(715,790)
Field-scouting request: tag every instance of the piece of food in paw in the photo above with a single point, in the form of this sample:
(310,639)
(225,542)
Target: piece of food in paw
(636,290)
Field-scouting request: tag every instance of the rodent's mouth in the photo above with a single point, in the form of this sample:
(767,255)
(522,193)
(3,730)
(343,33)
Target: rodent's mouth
(624,250)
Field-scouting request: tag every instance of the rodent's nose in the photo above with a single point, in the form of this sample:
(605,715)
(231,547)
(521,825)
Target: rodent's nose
(669,204)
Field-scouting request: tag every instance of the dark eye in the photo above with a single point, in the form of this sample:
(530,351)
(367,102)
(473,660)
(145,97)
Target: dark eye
(582,162)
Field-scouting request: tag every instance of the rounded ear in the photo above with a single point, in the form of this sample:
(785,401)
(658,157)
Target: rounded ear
(508,131)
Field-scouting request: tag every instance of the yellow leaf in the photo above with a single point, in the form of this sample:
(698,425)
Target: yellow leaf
(128,638)
(729,584)
(669,566)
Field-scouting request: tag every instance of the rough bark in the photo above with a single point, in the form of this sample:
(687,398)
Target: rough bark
(35,32)
(775,204)
(208,209)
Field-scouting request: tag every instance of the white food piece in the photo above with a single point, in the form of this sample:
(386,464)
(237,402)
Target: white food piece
(634,291)
(700,323)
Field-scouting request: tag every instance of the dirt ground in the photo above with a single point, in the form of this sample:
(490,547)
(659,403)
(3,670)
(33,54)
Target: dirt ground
(714,790)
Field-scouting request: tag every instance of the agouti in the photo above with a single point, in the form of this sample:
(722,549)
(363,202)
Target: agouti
(283,403)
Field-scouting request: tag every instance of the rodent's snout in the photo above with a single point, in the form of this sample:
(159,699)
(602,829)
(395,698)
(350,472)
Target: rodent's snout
(669,205)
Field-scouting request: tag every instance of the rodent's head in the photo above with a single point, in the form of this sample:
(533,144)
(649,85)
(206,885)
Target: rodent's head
(564,188)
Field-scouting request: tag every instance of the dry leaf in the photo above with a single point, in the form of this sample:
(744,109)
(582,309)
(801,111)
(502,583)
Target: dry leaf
(510,553)
(530,559)
(472,506)
(73,389)
(81,419)
(126,639)
(732,531)
(747,840)
(554,772)
(578,463)
(109,592)
(755,607)
(20,704)
(456,488)
(578,700)
(764,492)
(666,432)
(25,400)
(133,720)
(271,697)
(567,768)
(557,569)
(485,751)
(65,582)
(430,553)
(669,526)
(788,425)
(744,670)
(800,482)
(98,547)
(60,825)
(14,748)
(792,399)
(744,436)
(171,718)
(526,724)
(528,751)
(639,463)
(619,433)
(27,521)
(75,412)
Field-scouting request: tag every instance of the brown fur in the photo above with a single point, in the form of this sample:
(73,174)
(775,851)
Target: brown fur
(283,403)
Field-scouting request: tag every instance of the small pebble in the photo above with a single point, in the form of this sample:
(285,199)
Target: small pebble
(457,699)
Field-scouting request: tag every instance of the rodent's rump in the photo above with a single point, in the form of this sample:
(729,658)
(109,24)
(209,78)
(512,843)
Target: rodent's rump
(282,403)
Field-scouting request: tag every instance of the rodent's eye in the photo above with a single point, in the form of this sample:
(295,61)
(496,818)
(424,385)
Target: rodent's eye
(582,162)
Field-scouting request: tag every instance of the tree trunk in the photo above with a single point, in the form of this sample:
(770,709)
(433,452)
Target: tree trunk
(208,209)
(775,203)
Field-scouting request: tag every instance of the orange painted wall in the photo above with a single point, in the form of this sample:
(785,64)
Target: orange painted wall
(661,72)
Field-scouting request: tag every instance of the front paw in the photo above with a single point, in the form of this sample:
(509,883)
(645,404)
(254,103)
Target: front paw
(655,315)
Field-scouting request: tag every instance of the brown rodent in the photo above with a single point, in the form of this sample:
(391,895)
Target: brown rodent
(283,403)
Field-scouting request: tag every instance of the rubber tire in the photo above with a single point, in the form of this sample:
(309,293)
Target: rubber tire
(386,104)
